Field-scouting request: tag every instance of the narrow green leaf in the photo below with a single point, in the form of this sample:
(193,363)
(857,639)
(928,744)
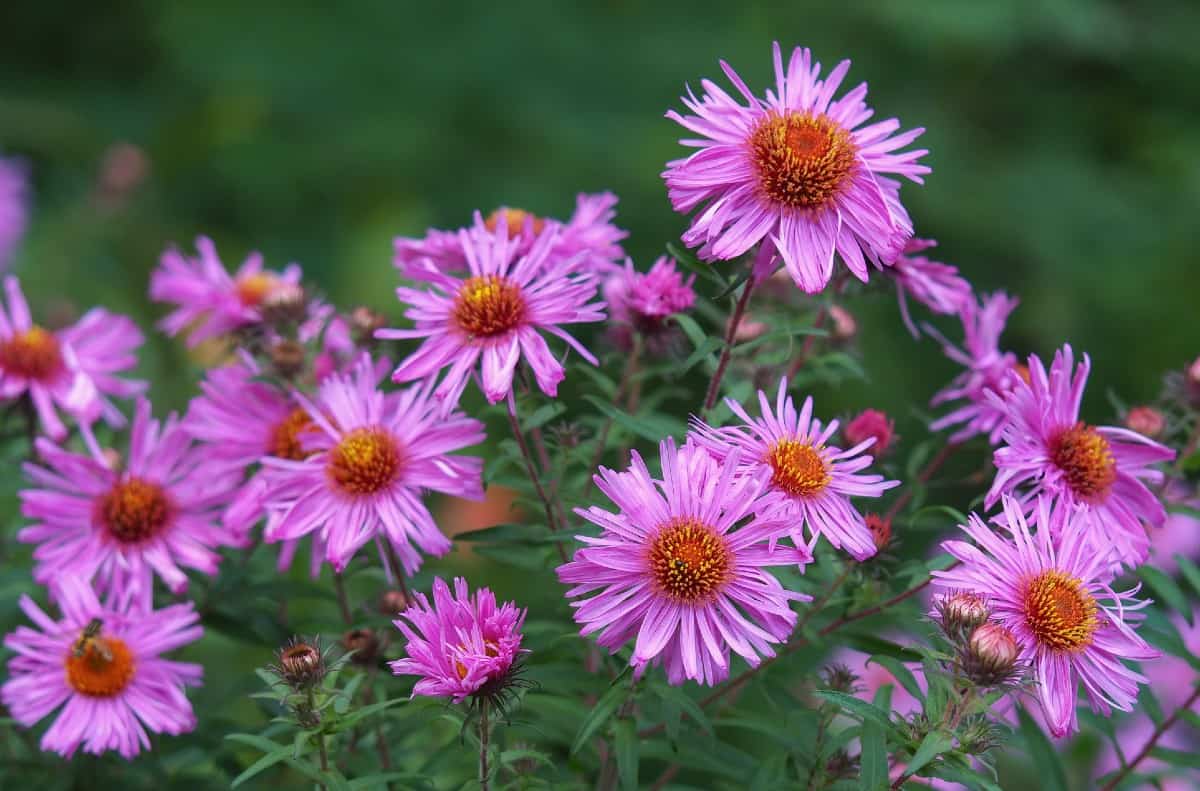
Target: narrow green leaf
(1166,590)
(1149,703)
(904,677)
(856,707)
(1190,572)
(934,744)
(649,427)
(625,743)
(277,755)
(1186,758)
(873,644)
(598,716)
(1045,758)
(691,329)
(704,350)
(679,698)
(873,761)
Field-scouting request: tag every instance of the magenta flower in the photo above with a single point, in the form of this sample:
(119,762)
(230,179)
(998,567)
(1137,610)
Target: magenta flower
(375,454)
(72,369)
(673,569)
(207,298)
(796,170)
(1053,594)
(644,299)
(1103,471)
(935,285)
(461,645)
(811,482)
(103,666)
(871,424)
(496,315)
(14,208)
(988,370)
(156,514)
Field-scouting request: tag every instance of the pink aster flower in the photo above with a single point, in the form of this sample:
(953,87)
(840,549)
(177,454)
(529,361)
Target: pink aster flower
(1180,532)
(673,568)
(206,296)
(496,316)
(462,645)
(72,369)
(1102,470)
(796,171)
(14,199)
(154,516)
(1053,594)
(810,481)
(640,298)
(103,666)
(935,285)
(988,370)
(373,456)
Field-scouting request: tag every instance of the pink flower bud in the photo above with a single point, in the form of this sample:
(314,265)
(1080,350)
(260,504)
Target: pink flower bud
(962,612)
(991,655)
(1145,420)
(871,423)
(845,327)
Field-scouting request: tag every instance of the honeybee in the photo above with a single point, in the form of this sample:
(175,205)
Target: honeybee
(90,639)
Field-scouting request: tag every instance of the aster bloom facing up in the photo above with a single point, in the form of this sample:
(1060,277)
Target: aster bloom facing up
(1102,470)
(797,171)
(103,666)
(988,370)
(207,298)
(935,285)
(155,516)
(374,455)
(13,207)
(811,482)
(462,645)
(1052,594)
(673,569)
(496,316)
(72,369)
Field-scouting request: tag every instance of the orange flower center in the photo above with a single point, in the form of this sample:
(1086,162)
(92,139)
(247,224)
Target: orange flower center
(284,442)
(514,219)
(253,289)
(134,510)
(799,469)
(33,354)
(365,461)
(99,667)
(1086,461)
(1059,611)
(690,561)
(489,305)
(803,161)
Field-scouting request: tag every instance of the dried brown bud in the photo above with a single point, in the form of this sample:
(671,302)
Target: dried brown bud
(301,663)
(845,327)
(991,655)
(364,643)
(1145,420)
(393,602)
(285,305)
(363,324)
(287,358)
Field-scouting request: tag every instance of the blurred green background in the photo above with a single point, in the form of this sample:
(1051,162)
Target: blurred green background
(1064,135)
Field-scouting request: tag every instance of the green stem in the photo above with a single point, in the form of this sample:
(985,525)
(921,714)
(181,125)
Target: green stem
(484,736)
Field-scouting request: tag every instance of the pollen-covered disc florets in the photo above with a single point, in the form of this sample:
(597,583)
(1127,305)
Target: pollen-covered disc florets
(803,160)
(33,354)
(134,510)
(489,305)
(284,442)
(514,220)
(689,560)
(364,461)
(98,665)
(798,468)
(1085,459)
(1059,611)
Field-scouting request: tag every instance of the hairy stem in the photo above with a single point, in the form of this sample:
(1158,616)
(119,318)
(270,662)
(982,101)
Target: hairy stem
(735,321)
(1162,728)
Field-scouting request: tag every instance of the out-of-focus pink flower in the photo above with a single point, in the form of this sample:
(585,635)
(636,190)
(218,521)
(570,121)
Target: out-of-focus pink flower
(1145,420)
(935,285)
(1180,531)
(14,207)
(871,424)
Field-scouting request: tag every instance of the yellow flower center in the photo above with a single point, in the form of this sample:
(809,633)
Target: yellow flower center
(798,468)
(489,305)
(365,461)
(1059,611)
(99,667)
(1086,461)
(134,510)
(514,219)
(253,289)
(690,561)
(33,354)
(284,442)
(803,160)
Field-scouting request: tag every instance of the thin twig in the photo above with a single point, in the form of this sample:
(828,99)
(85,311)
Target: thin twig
(809,342)
(339,585)
(533,475)
(735,321)
(1162,728)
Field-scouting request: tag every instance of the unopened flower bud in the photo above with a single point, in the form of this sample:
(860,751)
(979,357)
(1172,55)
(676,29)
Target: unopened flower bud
(364,643)
(871,423)
(285,305)
(991,655)
(845,327)
(1193,373)
(1145,420)
(363,324)
(747,330)
(961,613)
(287,358)
(840,678)
(300,663)
(392,603)
(881,530)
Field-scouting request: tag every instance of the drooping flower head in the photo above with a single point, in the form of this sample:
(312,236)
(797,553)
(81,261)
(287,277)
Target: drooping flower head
(496,316)
(462,645)
(14,210)
(156,515)
(366,466)
(1050,589)
(1102,470)
(935,285)
(676,569)
(207,298)
(810,481)
(73,369)
(795,170)
(103,666)
(988,370)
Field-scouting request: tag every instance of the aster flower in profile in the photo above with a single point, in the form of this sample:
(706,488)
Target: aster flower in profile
(937,286)
(156,515)
(796,171)
(372,456)
(988,370)
(810,481)
(680,568)
(102,668)
(208,299)
(1050,589)
(496,316)
(641,302)
(462,645)
(1101,470)
(73,369)
(14,208)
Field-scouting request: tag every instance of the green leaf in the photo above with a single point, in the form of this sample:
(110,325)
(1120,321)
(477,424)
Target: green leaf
(280,753)
(649,427)
(873,760)
(691,329)
(904,677)
(625,743)
(1045,758)
(689,260)
(705,349)
(681,699)
(1186,758)
(1190,572)
(1149,703)
(934,744)
(598,716)
(367,711)
(1165,588)
(856,707)
(871,644)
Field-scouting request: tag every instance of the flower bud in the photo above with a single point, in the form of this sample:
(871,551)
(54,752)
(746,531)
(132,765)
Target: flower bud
(881,530)
(112,459)
(285,304)
(991,655)
(300,663)
(871,423)
(392,603)
(747,330)
(363,324)
(845,327)
(287,358)
(364,643)
(840,678)
(961,613)
(1145,420)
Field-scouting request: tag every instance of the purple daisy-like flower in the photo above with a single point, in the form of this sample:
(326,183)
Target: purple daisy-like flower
(646,298)
(810,481)
(796,170)
(103,666)
(154,516)
(461,645)
(1102,470)
(680,567)
(372,457)
(988,370)
(207,298)
(935,285)
(14,210)
(496,316)
(73,369)
(1050,588)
